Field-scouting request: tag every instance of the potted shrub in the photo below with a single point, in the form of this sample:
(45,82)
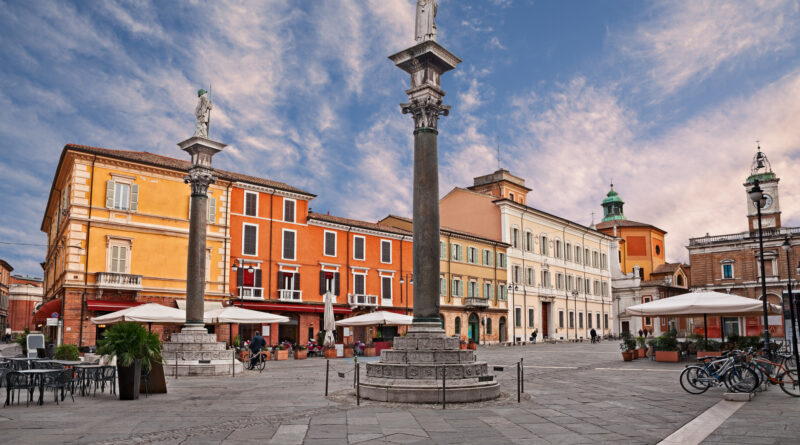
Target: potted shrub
(67,352)
(472,345)
(667,348)
(708,348)
(641,350)
(266,353)
(136,351)
(627,346)
(281,353)
(300,352)
(330,351)
(462,344)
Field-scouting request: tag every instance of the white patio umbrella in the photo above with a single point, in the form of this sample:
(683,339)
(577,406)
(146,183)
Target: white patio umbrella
(703,303)
(377,318)
(328,322)
(145,313)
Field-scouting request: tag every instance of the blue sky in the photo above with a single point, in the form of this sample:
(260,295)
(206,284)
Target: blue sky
(666,98)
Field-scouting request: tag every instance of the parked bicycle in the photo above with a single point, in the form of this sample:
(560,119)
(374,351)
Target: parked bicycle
(255,362)
(730,371)
(781,372)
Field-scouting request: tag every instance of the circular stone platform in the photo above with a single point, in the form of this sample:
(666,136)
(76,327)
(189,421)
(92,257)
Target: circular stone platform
(412,372)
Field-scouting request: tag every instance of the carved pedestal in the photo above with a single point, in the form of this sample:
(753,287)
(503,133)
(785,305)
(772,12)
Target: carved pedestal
(189,347)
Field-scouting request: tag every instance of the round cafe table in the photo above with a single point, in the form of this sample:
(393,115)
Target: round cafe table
(39,378)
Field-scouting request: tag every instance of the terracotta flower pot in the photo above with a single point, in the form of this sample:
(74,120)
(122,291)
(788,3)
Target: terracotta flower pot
(701,354)
(628,355)
(369,351)
(267,355)
(473,346)
(462,346)
(641,352)
(348,351)
(330,353)
(301,355)
(282,354)
(667,356)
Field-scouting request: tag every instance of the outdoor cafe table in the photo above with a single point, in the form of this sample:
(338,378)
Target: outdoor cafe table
(85,370)
(17,360)
(39,377)
(65,363)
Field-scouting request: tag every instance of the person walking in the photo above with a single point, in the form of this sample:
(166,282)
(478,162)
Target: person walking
(593,333)
(534,334)
(256,344)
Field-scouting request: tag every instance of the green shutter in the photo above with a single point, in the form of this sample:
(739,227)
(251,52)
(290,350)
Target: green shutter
(134,197)
(212,210)
(110,194)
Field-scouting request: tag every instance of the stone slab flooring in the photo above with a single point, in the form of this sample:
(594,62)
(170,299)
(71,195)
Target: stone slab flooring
(574,393)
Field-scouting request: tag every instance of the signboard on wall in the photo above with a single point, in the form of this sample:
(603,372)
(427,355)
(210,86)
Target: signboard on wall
(52,322)
(265,330)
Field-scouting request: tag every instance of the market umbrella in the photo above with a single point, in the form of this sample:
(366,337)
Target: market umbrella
(703,303)
(146,313)
(328,322)
(379,317)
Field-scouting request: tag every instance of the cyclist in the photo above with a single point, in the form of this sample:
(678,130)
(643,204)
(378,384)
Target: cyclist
(256,344)
(593,333)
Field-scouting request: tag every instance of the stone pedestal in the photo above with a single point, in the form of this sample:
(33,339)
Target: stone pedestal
(413,371)
(192,345)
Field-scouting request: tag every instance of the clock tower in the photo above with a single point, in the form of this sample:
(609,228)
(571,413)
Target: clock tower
(761,170)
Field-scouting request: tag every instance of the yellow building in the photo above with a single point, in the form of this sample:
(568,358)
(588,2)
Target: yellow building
(473,295)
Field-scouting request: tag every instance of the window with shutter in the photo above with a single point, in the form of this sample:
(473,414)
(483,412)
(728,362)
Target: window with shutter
(134,198)
(330,243)
(386,252)
(110,187)
(122,196)
(212,210)
(289,242)
(358,248)
(386,290)
(288,209)
(530,317)
(250,239)
(251,203)
(442,250)
(359,284)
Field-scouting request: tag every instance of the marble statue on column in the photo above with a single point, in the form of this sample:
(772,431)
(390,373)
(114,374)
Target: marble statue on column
(203,114)
(425,25)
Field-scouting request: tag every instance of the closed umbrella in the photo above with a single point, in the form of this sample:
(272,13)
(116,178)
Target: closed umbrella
(329,323)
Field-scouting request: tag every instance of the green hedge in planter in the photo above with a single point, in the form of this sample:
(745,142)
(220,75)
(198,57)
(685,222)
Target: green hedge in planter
(628,342)
(666,342)
(67,352)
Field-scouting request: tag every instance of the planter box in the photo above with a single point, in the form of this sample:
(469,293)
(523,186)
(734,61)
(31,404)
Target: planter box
(282,355)
(330,353)
(348,351)
(462,346)
(641,352)
(701,354)
(473,346)
(667,356)
(267,355)
(242,356)
(301,355)
(369,351)
(628,355)
(129,379)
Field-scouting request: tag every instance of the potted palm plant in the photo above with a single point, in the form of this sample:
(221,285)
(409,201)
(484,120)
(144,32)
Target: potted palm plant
(136,350)
(627,346)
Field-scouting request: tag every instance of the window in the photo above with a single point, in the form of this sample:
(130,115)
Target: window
(501,259)
(473,290)
(251,203)
(328,282)
(457,288)
(487,291)
(595,259)
(598,319)
(288,209)
(118,261)
(647,320)
(727,270)
(502,292)
(530,317)
(680,280)
(603,261)
(558,248)
(585,257)
(250,239)
(516,274)
(442,286)
(580,320)
(518,317)
(605,290)
(589,320)
(457,326)
(529,241)
(456,252)
(543,246)
(529,276)
(122,195)
(569,282)
(488,326)
(568,252)
(472,255)
(571,319)
(330,243)
(248,280)
(515,238)
(605,321)
(358,248)
(442,250)
(386,252)
(289,244)
(359,283)
(546,279)
(386,290)
(559,281)
(578,254)
(511,196)
(561,319)
(487,257)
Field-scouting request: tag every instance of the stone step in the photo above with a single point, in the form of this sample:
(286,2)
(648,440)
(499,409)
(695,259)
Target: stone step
(423,371)
(189,369)
(427,356)
(198,355)
(409,343)
(171,346)
(183,337)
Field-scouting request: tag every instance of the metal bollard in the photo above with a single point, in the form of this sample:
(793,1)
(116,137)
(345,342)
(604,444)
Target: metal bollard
(355,361)
(522,375)
(444,387)
(519,396)
(327,374)
(358,385)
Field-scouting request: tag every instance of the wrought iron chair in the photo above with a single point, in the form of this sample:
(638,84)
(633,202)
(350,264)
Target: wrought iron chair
(146,381)
(106,374)
(18,381)
(62,381)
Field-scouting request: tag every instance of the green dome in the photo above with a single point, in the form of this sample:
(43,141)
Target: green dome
(612,206)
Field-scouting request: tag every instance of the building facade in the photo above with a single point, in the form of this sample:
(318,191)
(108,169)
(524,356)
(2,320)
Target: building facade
(732,262)
(559,278)
(24,297)
(5,276)
(473,298)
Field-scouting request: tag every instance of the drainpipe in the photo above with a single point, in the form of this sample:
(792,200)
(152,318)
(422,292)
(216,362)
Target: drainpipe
(269,258)
(524,291)
(225,280)
(86,261)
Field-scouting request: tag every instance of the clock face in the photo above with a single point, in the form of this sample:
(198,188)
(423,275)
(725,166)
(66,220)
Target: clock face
(767,201)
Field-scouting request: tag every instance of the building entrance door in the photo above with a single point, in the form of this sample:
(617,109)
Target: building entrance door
(545,320)
(474,328)
(503,335)
(626,326)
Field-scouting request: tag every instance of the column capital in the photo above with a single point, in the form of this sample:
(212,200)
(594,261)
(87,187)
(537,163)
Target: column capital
(200,178)
(425,111)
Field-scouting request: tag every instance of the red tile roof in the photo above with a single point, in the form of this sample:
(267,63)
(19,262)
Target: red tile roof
(624,223)
(356,223)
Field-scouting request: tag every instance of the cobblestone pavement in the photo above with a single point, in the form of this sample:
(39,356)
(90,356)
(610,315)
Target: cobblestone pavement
(574,393)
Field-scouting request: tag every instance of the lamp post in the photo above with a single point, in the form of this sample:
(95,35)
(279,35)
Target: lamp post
(407,279)
(513,287)
(787,247)
(757,196)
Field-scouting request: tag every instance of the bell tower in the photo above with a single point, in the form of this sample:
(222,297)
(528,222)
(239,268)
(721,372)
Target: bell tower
(761,170)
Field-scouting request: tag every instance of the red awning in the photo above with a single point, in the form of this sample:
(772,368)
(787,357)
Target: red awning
(110,305)
(47,310)
(269,307)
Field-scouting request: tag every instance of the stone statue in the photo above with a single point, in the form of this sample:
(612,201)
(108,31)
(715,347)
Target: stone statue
(425,28)
(203,114)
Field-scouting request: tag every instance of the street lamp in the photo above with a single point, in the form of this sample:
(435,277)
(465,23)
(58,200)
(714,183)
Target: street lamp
(410,279)
(513,287)
(249,269)
(757,196)
(787,247)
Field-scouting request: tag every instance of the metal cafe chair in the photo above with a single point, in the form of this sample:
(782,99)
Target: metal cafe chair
(106,374)
(17,381)
(62,381)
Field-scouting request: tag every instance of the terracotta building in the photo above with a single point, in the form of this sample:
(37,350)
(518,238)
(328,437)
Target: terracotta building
(731,262)
(5,275)
(472,287)
(24,295)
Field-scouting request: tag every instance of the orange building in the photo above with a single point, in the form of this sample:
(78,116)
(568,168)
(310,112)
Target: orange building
(24,295)
(5,274)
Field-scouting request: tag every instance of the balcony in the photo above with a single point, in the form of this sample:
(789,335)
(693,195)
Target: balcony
(251,293)
(478,303)
(294,296)
(362,300)
(122,281)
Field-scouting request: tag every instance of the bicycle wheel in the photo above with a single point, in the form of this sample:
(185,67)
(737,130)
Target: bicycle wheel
(741,379)
(790,384)
(693,380)
(262,363)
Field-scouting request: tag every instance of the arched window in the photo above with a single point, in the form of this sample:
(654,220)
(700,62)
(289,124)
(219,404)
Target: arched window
(457,326)
(488,326)
(441,317)
(680,280)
